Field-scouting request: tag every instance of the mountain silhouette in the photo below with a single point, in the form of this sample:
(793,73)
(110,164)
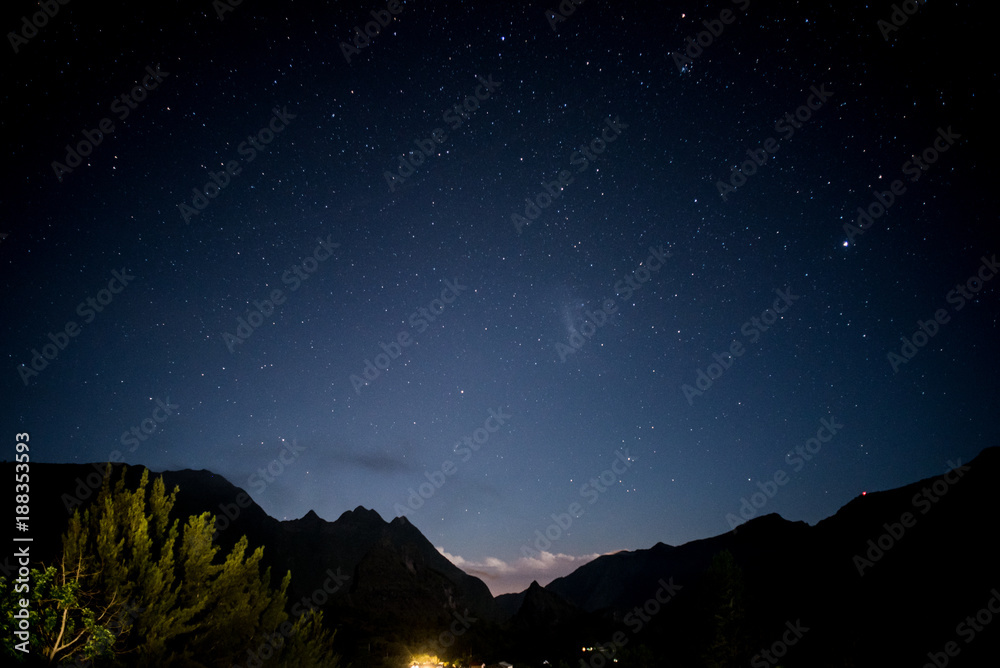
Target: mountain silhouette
(889,579)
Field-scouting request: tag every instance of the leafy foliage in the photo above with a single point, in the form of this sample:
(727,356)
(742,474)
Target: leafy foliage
(134,587)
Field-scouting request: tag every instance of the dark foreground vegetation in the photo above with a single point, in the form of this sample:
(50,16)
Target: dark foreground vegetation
(131,575)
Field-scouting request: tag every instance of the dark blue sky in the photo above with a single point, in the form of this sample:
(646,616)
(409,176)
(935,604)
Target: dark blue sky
(252,237)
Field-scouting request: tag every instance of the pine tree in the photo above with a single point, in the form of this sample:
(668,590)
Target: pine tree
(186,607)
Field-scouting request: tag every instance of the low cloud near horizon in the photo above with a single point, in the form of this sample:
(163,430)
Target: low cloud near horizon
(516,576)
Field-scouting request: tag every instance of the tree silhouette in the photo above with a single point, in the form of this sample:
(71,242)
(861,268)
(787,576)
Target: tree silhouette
(186,607)
(729,644)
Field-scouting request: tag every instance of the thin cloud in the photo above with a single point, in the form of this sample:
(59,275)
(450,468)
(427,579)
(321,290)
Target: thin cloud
(378,462)
(370,460)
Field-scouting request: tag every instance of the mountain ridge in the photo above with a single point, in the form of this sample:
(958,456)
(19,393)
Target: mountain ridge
(856,574)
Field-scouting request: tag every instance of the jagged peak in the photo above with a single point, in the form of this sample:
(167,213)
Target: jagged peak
(363,514)
(311,516)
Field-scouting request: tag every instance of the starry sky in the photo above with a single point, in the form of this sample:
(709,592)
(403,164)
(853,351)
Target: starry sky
(550,284)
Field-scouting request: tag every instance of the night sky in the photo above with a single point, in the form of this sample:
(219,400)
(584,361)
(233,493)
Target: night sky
(501,270)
